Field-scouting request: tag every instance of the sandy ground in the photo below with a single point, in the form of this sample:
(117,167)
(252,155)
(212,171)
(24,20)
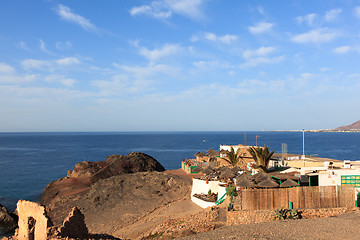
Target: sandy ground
(143,226)
(178,209)
(345,226)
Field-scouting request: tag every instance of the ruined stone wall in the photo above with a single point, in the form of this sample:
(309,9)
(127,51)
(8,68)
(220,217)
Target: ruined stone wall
(258,216)
(31,215)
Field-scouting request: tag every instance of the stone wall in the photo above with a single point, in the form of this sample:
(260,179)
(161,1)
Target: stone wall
(258,216)
(33,222)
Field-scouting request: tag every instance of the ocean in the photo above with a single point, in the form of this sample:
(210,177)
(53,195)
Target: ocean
(29,161)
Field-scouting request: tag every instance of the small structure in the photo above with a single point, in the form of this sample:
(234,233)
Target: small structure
(200,186)
(33,221)
(34,224)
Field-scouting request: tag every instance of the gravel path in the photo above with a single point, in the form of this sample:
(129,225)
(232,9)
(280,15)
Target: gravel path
(345,226)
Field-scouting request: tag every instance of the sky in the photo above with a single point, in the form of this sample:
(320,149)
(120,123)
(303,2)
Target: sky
(178,65)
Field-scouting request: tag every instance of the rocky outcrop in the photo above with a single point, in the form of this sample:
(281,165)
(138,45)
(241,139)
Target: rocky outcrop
(87,173)
(115,165)
(8,221)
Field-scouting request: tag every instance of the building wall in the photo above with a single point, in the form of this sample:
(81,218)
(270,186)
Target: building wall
(202,186)
(333,177)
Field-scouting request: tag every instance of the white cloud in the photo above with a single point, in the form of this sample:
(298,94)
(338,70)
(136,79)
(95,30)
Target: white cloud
(43,47)
(333,14)
(5,68)
(261,27)
(261,10)
(14,78)
(316,36)
(35,64)
(325,69)
(227,39)
(165,8)
(66,14)
(156,54)
(262,51)
(357,12)
(68,61)
(189,8)
(63,45)
(253,62)
(309,19)
(22,45)
(342,49)
(154,11)
(210,64)
(68,82)
(48,65)
(194,38)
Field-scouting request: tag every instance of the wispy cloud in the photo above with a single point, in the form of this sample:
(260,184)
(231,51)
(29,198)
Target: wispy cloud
(253,62)
(310,19)
(66,14)
(68,61)
(261,27)
(159,53)
(342,49)
(48,65)
(5,68)
(210,64)
(166,8)
(318,35)
(63,45)
(227,39)
(260,56)
(22,45)
(262,51)
(357,11)
(68,82)
(43,47)
(332,14)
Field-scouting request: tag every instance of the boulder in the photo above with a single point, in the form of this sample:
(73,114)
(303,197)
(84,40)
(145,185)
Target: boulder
(8,221)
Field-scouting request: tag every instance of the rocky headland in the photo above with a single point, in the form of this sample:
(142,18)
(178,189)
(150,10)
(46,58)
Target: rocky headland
(123,196)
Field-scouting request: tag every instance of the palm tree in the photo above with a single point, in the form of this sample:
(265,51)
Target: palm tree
(233,157)
(261,157)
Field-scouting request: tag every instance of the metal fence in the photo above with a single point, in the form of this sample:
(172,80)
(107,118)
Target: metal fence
(301,197)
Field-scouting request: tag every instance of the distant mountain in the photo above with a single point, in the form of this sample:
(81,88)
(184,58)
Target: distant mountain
(354,126)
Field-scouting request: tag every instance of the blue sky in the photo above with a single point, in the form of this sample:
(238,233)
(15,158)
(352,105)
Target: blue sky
(185,65)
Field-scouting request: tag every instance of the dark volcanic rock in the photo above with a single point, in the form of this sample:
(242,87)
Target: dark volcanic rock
(8,221)
(115,165)
(86,173)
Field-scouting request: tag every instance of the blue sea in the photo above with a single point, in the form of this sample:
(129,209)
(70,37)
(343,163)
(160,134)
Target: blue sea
(29,161)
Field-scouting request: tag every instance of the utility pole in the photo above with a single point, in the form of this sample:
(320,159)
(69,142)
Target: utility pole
(245,139)
(256,138)
(303,156)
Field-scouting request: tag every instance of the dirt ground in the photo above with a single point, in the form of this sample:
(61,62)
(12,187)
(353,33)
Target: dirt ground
(345,226)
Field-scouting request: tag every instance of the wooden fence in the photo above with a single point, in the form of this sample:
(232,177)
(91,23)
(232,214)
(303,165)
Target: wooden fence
(301,197)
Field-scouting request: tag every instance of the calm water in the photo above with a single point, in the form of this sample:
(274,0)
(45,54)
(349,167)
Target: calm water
(29,161)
